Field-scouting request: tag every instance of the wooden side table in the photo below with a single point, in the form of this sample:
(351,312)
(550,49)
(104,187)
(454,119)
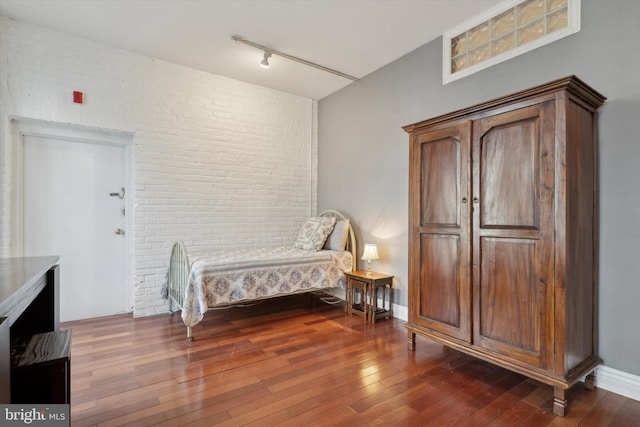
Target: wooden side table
(357,296)
(384,284)
(369,283)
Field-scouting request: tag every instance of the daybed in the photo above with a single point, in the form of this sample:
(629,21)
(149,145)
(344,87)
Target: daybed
(324,251)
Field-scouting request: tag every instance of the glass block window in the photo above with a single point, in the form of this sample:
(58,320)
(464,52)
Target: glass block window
(510,29)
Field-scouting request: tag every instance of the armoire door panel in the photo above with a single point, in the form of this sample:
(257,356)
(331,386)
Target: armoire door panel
(439,268)
(512,256)
(440,187)
(439,279)
(510,301)
(508,175)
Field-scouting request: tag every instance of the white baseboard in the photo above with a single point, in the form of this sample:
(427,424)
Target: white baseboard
(400,312)
(618,382)
(613,380)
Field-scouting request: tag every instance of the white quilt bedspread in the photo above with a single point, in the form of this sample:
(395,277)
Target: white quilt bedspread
(226,277)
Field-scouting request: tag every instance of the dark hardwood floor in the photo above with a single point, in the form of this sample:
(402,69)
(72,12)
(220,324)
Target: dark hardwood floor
(287,363)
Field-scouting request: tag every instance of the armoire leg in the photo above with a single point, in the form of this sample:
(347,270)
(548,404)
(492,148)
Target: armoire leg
(559,400)
(590,381)
(412,341)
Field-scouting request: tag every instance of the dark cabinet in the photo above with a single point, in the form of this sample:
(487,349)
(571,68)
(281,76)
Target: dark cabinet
(34,352)
(503,232)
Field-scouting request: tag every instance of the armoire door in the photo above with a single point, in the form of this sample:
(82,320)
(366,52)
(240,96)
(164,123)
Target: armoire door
(513,181)
(439,231)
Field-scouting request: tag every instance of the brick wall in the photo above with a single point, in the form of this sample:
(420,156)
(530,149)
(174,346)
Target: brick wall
(217,162)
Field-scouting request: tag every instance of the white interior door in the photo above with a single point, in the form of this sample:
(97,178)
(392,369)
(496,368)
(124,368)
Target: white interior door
(68,211)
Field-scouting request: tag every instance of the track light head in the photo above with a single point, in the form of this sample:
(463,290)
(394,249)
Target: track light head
(268,52)
(265,60)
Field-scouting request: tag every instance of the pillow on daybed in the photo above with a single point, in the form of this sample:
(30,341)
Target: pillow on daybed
(338,237)
(314,232)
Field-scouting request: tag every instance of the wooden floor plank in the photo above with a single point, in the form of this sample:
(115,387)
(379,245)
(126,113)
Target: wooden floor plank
(287,363)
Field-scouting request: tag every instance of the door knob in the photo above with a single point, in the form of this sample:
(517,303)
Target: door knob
(119,195)
(119,231)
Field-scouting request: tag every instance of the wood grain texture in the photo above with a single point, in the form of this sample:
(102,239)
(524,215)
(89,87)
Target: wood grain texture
(41,348)
(284,363)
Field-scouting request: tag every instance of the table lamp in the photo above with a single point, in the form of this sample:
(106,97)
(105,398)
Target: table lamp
(370,252)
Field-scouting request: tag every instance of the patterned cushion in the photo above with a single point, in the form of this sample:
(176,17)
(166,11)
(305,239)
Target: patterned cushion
(338,237)
(314,232)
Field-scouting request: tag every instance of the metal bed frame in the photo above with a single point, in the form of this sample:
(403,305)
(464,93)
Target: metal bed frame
(180,269)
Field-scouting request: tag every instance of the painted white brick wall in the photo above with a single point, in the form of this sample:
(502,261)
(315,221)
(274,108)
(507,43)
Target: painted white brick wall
(217,162)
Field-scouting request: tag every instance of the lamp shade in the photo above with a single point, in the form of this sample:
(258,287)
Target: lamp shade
(370,251)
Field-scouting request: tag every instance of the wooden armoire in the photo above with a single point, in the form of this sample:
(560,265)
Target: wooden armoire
(503,232)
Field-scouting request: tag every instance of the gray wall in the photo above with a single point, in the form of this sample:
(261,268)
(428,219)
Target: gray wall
(363,152)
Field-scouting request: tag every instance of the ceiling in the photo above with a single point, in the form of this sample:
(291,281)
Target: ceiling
(355,37)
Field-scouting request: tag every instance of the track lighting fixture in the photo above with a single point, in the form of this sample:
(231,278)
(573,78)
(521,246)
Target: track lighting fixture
(268,52)
(265,60)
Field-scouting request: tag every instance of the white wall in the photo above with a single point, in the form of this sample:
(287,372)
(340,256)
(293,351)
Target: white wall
(217,162)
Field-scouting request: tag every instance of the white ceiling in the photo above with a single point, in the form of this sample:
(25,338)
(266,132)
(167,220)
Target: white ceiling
(355,37)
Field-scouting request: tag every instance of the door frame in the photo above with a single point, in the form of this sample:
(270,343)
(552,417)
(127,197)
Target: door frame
(21,127)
